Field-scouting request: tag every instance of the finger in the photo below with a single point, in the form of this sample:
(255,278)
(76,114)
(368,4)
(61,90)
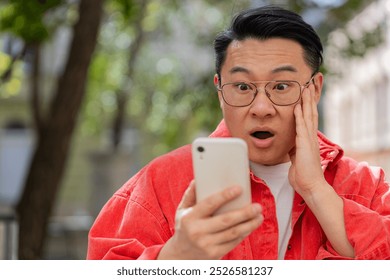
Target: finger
(189,197)
(310,113)
(218,251)
(239,231)
(230,219)
(229,239)
(298,112)
(180,213)
(307,108)
(300,125)
(314,110)
(208,206)
(219,244)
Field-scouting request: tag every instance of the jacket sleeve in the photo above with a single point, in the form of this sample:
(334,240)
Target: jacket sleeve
(131,224)
(366,214)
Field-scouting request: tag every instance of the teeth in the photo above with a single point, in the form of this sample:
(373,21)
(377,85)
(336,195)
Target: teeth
(262,134)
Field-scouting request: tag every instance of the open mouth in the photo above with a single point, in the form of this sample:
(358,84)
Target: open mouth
(262,134)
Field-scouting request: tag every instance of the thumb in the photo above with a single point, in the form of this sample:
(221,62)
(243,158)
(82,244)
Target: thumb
(185,206)
(189,198)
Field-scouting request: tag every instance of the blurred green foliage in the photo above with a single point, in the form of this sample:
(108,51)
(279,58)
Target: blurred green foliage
(26,19)
(171,96)
(169,101)
(358,47)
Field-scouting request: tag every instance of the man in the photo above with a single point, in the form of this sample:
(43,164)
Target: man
(309,201)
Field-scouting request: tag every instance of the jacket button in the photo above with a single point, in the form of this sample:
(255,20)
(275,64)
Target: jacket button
(289,247)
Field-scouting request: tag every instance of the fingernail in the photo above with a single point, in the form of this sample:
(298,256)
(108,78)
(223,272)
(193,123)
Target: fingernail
(256,208)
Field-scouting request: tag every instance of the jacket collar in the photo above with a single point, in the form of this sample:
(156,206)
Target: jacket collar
(330,152)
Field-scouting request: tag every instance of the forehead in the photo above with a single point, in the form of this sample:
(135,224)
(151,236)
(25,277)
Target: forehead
(264,56)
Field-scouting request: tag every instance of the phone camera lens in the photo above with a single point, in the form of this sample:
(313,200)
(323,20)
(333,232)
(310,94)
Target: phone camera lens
(200,149)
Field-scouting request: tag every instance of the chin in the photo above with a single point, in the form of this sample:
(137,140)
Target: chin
(264,160)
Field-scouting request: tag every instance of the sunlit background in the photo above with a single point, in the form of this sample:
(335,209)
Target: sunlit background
(149,90)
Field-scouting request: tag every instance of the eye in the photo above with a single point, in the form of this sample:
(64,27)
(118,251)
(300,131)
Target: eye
(281,86)
(243,87)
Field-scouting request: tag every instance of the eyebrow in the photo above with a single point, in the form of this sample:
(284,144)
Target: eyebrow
(239,69)
(284,68)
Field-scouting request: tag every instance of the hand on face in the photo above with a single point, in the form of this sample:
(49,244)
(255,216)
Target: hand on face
(306,173)
(200,235)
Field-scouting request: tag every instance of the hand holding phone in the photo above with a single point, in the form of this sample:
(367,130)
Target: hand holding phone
(220,163)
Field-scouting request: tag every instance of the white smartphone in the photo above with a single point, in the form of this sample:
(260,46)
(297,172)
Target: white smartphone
(220,163)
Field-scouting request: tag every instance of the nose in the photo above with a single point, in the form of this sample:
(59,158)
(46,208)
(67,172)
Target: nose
(262,106)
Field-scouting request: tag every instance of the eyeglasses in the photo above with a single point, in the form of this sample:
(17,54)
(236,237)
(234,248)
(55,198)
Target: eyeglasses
(281,93)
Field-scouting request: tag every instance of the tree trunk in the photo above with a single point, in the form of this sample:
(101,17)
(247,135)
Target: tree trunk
(122,95)
(55,134)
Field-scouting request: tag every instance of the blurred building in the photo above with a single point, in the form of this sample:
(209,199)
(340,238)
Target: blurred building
(357,90)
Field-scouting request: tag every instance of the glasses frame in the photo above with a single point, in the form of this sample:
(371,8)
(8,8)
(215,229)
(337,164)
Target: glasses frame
(220,88)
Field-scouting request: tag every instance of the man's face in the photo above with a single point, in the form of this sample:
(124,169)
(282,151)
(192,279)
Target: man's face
(268,129)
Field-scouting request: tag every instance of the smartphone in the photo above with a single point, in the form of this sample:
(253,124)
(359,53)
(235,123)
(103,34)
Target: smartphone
(220,163)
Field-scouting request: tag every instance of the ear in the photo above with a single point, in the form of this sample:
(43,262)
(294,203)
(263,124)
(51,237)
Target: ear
(216,80)
(318,82)
(216,84)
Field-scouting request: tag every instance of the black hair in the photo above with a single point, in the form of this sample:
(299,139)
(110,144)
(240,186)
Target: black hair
(270,22)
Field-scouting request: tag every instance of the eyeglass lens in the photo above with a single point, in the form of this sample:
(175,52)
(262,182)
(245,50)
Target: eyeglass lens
(279,92)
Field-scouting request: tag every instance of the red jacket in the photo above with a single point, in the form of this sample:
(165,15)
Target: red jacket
(139,218)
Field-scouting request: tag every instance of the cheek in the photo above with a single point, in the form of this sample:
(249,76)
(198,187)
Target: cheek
(229,115)
(234,118)
(290,129)
(288,126)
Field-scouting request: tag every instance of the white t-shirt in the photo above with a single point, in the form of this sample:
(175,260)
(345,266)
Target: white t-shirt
(276,178)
